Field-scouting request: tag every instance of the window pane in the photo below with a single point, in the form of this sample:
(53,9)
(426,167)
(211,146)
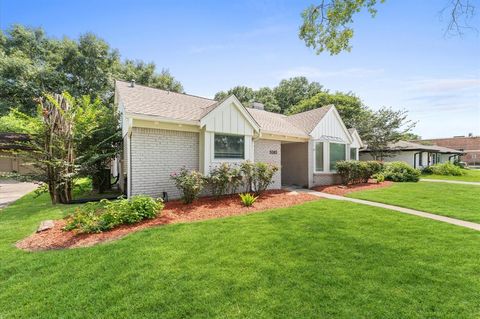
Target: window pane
(229,146)
(319,157)
(353,153)
(337,153)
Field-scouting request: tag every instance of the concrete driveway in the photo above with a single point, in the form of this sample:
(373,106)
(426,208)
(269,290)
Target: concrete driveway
(11,190)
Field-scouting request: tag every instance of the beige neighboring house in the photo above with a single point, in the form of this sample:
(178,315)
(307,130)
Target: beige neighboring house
(164,131)
(415,154)
(10,160)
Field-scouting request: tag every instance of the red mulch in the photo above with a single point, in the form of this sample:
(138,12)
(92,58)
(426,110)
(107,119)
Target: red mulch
(174,212)
(342,190)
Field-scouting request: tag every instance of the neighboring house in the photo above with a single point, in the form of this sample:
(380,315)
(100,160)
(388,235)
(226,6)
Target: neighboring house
(469,145)
(164,131)
(10,161)
(414,154)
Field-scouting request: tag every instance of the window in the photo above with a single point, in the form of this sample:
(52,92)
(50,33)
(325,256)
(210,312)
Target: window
(420,159)
(229,146)
(319,157)
(337,153)
(353,153)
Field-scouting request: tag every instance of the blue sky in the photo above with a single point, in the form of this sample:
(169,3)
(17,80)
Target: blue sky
(399,59)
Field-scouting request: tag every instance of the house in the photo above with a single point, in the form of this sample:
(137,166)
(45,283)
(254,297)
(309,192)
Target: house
(469,145)
(415,154)
(164,131)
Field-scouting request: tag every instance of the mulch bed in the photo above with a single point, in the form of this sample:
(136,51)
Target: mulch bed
(341,190)
(174,212)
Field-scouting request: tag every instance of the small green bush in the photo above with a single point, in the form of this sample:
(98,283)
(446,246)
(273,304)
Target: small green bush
(189,183)
(379,177)
(355,172)
(447,168)
(400,172)
(105,215)
(248,199)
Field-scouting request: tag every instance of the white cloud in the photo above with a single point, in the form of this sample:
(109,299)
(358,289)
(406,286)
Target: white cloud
(317,73)
(445,84)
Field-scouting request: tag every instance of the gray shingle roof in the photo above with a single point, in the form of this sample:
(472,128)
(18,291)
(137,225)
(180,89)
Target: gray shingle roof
(143,100)
(410,146)
(274,122)
(149,101)
(308,120)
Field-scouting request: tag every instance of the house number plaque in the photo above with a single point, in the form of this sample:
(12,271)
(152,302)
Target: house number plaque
(273,152)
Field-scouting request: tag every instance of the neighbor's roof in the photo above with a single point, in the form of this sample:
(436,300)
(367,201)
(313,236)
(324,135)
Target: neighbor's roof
(13,141)
(143,100)
(410,146)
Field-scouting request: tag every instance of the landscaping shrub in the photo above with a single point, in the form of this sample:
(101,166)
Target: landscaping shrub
(445,169)
(257,176)
(105,215)
(400,172)
(189,183)
(379,177)
(248,199)
(223,179)
(355,172)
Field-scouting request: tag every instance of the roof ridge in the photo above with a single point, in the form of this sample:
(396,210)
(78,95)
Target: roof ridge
(149,87)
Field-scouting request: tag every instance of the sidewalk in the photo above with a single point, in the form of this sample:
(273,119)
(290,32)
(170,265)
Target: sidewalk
(444,219)
(449,181)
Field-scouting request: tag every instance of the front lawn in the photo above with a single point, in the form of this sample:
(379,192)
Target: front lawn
(471,175)
(324,259)
(452,200)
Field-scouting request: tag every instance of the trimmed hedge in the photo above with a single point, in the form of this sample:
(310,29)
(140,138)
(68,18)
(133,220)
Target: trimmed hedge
(355,172)
(400,172)
(447,169)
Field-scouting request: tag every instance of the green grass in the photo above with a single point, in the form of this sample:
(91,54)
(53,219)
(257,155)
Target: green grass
(452,200)
(324,259)
(471,175)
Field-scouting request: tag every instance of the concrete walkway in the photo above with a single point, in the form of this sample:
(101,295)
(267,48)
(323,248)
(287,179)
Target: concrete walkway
(444,219)
(11,190)
(449,181)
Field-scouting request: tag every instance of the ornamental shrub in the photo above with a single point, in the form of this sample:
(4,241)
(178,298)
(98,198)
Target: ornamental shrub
(189,183)
(355,172)
(105,215)
(257,176)
(400,172)
(446,169)
(248,199)
(379,177)
(224,179)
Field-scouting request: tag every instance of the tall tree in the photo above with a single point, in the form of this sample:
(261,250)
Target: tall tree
(328,25)
(290,92)
(32,63)
(349,106)
(266,96)
(244,94)
(383,127)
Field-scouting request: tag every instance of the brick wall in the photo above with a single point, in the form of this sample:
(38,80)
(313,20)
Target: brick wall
(269,151)
(158,153)
(326,179)
(471,146)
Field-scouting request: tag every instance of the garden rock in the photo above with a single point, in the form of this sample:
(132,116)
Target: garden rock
(45,225)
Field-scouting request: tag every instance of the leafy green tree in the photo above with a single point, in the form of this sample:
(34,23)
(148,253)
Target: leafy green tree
(17,122)
(244,94)
(380,128)
(328,25)
(411,137)
(349,106)
(32,63)
(290,92)
(267,98)
(144,73)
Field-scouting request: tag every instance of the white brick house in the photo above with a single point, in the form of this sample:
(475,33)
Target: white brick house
(165,131)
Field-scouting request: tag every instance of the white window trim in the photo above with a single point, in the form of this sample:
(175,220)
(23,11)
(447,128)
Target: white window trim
(326,156)
(229,160)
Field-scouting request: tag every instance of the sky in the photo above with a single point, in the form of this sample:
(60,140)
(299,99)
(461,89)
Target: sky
(400,59)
